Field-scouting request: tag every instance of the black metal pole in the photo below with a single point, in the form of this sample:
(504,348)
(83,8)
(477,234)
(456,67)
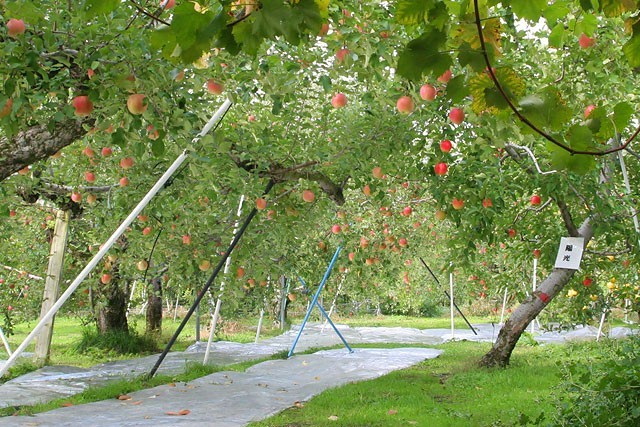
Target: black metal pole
(449,297)
(207,285)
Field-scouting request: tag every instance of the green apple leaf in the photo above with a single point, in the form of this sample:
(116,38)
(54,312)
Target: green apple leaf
(631,48)
(412,12)
(546,109)
(93,8)
(530,9)
(424,55)
(276,18)
(622,113)
(457,89)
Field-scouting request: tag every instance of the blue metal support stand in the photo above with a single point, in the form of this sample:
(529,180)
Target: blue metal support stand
(314,302)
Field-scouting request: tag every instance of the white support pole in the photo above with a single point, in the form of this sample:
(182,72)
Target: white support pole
(5,342)
(133,290)
(604,315)
(175,309)
(451,303)
(534,285)
(107,245)
(227,265)
(259,325)
(333,303)
(504,305)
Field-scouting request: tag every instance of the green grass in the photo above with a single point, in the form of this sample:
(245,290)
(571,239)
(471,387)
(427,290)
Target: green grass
(413,322)
(448,391)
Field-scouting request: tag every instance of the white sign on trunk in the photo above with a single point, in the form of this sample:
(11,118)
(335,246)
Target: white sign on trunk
(570,253)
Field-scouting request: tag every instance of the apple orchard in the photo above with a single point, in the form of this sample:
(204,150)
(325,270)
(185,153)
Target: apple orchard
(472,134)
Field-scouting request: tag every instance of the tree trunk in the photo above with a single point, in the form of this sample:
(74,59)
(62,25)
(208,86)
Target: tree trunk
(38,143)
(519,320)
(112,312)
(154,307)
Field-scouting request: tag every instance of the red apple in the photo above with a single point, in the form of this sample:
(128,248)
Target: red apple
(106,151)
(445,146)
(126,163)
(587,281)
(91,198)
(251,118)
(512,233)
(336,229)
(377,172)
(440,215)
(366,190)
(440,168)
(124,181)
(90,73)
(342,54)
(445,77)
(204,265)
(76,197)
(586,41)
(339,100)
(15,27)
(83,105)
(186,239)
(146,231)
(352,256)
(535,200)
(324,29)
(308,196)
(456,115)
(261,203)
(536,253)
(136,104)
(214,87)
(12,213)
(487,203)
(407,211)
(457,203)
(168,4)
(405,104)
(402,242)
(89,176)
(589,110)
(88,151)
(6,110)
(106,278)
(428,92)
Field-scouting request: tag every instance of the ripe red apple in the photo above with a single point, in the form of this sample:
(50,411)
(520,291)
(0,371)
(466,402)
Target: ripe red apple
(24,171)
(214,87)
(440,168)
(487,203)
(428,92)
(587,281)
(586,41)
(445,77)
(445,146)
(124,181)
(15,27)
(322,245)
(407,211)
(12,213)
(76,197)
(589,110)
(456,115)
(308,196)
(377,172)
(239,273)
(336,229)
(90,73)
(152,132)
(83,105)
(364,242)
(535,200)
(261,203)
(91,198)
(106,151)
(339,100)
(342,54)
(366,190)
(536,253)
(204,265)
(251,118)
(6,110)
(324,29)
(457,203)
(136,104)
(186,239)
(146,231)
(126,163)
(405,104)
(168,4)
(89,176)
(512,233)
(88,151)
(402,242)
(106,278)
(352,256)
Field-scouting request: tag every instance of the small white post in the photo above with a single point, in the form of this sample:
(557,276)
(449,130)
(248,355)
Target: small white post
(533,288)
(5,342)
(107,245)
(604,314)
(259,325)
(451,303)
(504,305)
(227,265)
(175,308)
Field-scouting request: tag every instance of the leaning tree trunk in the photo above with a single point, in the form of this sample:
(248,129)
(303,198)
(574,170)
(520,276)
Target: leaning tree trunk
(112,311)
(154,307)
(519,320)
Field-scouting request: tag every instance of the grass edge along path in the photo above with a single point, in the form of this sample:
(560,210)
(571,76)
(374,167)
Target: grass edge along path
(451,390)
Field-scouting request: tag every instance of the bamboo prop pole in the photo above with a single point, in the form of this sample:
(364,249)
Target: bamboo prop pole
(227,265)
(110,242)
(204,290)
(5,342)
